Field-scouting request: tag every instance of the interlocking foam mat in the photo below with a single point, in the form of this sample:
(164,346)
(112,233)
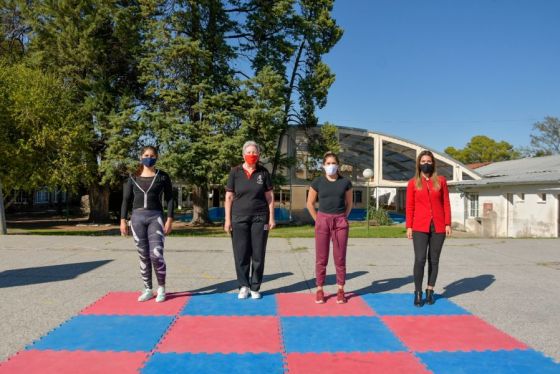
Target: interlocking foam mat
(283,333)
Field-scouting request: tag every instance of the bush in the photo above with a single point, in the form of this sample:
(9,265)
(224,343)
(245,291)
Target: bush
(379,216)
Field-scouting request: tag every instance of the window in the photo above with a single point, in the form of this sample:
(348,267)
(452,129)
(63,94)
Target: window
(444,169)
(399,162)
(42,196)
(358,197)
(356,155)
(282,197)
(467,177)
(472,199)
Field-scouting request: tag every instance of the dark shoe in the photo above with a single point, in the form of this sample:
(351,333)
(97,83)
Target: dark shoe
(430,297)
(320,297)
(340,297)
(418,298)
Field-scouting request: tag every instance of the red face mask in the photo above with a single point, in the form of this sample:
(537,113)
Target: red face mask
(251,159)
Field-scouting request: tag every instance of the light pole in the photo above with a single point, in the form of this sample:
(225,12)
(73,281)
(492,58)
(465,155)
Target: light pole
(367,173)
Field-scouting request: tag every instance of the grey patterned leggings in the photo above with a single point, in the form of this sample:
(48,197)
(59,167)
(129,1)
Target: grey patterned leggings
(147,230)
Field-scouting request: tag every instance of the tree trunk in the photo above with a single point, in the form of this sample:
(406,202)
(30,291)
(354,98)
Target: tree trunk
(3,227)
(200,205)
(99,203)
(287,107)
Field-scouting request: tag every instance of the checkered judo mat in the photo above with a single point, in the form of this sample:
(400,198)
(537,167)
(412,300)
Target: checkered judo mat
(283,333)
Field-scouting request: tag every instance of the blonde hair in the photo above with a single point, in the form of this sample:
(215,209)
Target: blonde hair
(418,175)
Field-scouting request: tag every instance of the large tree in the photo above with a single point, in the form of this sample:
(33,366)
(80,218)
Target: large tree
(483,149)
(198,110)
(94,45)
(43,137)
(291,37)
(545,139)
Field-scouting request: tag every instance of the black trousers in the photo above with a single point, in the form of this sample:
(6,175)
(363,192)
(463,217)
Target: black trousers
(249,236)
(426,245)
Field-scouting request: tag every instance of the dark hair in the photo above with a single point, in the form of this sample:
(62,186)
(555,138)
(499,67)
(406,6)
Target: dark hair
(418,176)
(332,154)
(140,166)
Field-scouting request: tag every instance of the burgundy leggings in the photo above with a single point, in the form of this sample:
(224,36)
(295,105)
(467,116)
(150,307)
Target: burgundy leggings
(327,227)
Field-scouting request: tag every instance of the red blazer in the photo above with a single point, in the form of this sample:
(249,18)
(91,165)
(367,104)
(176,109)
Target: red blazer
(427,204)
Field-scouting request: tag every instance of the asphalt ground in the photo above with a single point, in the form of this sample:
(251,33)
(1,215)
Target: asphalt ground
(511,283)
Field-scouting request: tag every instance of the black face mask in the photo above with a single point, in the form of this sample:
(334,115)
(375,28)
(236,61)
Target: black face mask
(427,168)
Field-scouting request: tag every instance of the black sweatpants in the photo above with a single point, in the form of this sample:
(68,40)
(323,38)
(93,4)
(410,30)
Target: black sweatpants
(429,244)
(249,236)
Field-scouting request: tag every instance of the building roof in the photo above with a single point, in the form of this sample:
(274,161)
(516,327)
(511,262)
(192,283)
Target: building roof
(523,171)
(477,165)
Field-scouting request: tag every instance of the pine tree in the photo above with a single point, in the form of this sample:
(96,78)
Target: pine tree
(94,45)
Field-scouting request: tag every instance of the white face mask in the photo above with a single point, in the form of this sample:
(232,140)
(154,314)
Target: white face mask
(331,169)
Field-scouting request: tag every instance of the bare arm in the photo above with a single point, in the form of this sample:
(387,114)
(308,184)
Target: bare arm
(311,198)
(349,204)
(227,208)
(269,195)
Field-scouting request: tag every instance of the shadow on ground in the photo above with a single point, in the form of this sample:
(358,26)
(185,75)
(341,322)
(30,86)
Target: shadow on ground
(232,285)
(310,284)
(46,274)
(384,285)
(466,285)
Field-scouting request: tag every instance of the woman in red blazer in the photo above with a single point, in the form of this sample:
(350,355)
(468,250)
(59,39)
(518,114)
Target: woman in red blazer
(428,222)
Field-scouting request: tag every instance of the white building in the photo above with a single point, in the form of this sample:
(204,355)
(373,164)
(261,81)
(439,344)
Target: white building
(518,198)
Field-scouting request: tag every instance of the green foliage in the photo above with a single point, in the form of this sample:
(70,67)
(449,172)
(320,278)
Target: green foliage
(483,149)
(320,142)
(43,137)
(195,77)
(12,31)
(94,45)
(291,37)
(545,139)
(379,216)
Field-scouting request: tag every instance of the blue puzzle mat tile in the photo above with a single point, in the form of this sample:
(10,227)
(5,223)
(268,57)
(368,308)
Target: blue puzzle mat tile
(495,362)
(400,304)
(106,333)
(338,334)
(229,305)
(269,363)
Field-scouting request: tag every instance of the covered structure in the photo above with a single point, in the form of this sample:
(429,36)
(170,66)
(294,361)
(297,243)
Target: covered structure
(391,158)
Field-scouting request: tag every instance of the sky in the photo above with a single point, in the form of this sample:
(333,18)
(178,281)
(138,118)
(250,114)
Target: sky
(440,72)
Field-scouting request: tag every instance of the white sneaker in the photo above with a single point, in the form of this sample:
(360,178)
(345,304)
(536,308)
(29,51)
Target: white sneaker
(146,295)
(243,293)
(160,294)
(255,295)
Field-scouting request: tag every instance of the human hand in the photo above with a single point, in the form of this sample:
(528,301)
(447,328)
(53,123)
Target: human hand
(124,228)
(409,233)
(168,227)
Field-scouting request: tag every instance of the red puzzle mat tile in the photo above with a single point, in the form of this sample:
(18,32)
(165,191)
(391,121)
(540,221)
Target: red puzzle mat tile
(355,363)
(449,333)
(223,334)
(126,303)
(299,305)
(62,362)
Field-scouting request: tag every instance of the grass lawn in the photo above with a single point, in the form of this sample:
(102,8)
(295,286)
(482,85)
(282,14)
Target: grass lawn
(357,230)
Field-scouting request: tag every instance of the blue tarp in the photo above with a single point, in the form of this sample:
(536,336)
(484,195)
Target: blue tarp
(281,215)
